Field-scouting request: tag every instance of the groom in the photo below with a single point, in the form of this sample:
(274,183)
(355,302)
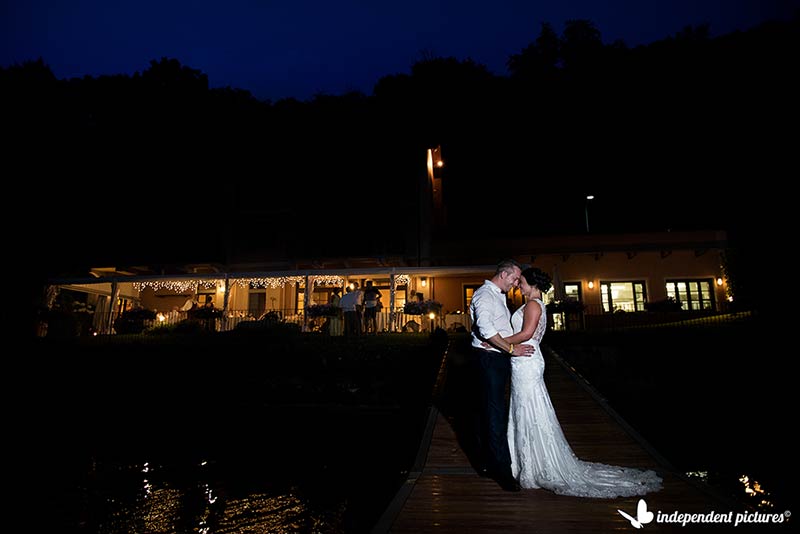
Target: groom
(491,322)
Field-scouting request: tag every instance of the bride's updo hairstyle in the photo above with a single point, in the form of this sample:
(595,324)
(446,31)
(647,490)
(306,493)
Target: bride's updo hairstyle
(537,278)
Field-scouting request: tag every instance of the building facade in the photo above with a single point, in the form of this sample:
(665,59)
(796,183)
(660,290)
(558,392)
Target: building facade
(607,275)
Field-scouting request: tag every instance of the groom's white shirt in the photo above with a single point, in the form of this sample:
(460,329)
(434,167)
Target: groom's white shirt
(489,314)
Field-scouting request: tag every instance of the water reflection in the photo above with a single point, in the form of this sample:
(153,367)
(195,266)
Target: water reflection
(265,513)
(700,475)
(172,500)
(157,512)
(111,482)
(753,489)
(749,490)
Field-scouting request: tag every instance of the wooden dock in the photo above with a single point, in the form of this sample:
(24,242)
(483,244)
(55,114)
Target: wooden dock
(443,492)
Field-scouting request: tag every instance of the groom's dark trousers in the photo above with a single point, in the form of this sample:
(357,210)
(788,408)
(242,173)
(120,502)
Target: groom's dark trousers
(494,369)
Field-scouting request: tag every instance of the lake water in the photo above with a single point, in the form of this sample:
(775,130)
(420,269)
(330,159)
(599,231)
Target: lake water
(162,443)
(291,470)
(109,445)
(713,401)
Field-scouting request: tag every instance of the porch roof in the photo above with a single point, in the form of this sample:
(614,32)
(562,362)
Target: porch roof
(459,270)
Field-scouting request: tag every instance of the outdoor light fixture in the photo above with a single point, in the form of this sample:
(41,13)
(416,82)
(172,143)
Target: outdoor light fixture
(591,284)
(586,210)
(436,157)
(352,286)
(719,281)
(424,281)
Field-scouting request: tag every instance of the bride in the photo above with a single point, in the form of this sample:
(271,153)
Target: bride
(540,454)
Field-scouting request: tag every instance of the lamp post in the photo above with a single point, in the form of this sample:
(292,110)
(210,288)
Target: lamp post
(586,210)
(430,214)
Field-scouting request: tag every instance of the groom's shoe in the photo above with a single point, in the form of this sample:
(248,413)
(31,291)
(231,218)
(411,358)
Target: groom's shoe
(508,483)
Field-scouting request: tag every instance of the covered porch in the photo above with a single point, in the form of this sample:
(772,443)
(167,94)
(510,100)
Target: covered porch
(298,297)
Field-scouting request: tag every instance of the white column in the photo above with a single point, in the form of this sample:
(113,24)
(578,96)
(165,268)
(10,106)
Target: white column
(227,293)
(392,290)
(307,299)
(113,305)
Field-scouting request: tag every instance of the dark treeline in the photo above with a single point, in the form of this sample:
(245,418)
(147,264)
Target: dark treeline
(158,167)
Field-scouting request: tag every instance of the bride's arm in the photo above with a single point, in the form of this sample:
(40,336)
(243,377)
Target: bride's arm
(530,318)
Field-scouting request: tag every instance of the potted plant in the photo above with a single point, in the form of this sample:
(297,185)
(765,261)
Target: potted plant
(322,310)
(133,321)
(69,318)
(422,307)
(207,316)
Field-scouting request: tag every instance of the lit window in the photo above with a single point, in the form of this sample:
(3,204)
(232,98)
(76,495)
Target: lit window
(623,296)
(692,294)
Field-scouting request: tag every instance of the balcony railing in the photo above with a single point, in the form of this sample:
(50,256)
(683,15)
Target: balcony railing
(385,321)
(596,318)
(592,318)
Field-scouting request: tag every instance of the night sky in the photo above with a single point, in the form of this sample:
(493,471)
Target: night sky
(115,173)
(299,49)
(672,141)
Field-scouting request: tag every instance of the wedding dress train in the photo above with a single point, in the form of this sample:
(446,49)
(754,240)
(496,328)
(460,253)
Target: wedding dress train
(540,454)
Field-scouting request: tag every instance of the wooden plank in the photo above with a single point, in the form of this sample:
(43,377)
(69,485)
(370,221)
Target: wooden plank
(448,496)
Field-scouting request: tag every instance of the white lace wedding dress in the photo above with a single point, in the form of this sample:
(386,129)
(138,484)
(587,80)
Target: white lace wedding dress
(540,454)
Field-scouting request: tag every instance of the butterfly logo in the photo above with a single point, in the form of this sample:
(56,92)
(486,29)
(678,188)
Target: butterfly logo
(643,516)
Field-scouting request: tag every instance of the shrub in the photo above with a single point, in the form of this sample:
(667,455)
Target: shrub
(569,305)
(69,318)
(268,325)
(205,313)
(669,304)
(61,323)
(422,308)
(133,321)
(185,327)
(322,310)
(272,316)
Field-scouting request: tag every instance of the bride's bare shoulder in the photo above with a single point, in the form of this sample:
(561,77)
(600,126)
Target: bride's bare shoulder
(532,312)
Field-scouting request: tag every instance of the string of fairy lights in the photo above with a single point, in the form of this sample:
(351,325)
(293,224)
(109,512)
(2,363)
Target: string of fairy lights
(178,286)
(401,279)
(272,282)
